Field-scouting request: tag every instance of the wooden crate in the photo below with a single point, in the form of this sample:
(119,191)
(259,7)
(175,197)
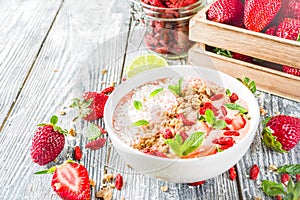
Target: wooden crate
(257,45)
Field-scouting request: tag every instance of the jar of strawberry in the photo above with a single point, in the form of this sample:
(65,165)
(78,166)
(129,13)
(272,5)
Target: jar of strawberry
(167,24)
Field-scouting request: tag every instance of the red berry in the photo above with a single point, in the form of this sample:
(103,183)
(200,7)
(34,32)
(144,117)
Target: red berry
(278,197)
(232,173)
(282,133)
(259,13)
(231,133)
(167,133)
(297,177)
(77,153)
(228,120)
(254,171)
(108,90)
(242,57)
(224,141)
(291,70)
(96,144)
(285,179)
(119,182)
(47,144)
(208,105)
(226,11)
(71,181)
(196,183)
(233,97)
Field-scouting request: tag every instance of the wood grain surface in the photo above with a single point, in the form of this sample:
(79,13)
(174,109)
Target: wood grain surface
(68,44)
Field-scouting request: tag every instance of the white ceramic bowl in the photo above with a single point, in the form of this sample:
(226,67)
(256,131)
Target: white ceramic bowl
(182,170)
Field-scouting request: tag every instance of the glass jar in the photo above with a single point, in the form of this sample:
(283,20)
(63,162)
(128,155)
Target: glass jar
(167,29)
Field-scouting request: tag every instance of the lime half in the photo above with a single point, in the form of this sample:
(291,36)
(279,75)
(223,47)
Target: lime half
(143,63)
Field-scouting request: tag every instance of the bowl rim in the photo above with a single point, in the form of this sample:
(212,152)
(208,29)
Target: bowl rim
(111,133)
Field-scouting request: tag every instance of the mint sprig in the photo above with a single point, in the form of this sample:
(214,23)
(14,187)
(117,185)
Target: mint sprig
(176,89)
(251,85)
(290,169)
(234,106)
(141,122)
(155,92)
(137,105)
(211,119)
(188,146)
(272,188)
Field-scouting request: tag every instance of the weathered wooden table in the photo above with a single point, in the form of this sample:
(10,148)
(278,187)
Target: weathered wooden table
(51,51)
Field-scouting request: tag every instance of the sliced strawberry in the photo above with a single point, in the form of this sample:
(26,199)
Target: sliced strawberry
(71,181)
(185,121)
(96,144)
(97,105)
(238,123)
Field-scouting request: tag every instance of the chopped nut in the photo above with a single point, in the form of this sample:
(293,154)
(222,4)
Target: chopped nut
(104,193)
(112,185)
(102,82)
(262,112)
(257,198)
(122,198)
(92,183)
(72,132)
(108,178)
(164,188)
(113,84)
(104,71)
(55,70)
(277,113)
(272,167)
(62,112)
(128,166)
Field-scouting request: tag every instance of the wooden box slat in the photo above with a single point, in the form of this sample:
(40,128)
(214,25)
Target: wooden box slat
(272,81)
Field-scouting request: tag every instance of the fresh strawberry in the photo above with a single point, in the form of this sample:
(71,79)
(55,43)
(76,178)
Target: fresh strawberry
(259,13)
(291,70)
(289,28)
(77,153)
(47,142)
(282,133)
(226,11)
(238,123)
(242,57)
(292,9)
(71,181)
(96,144)
(271,31)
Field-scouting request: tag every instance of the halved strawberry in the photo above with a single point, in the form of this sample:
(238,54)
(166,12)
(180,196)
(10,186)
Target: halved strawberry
(282,133)
(238,123)
(96,144)
(71,181)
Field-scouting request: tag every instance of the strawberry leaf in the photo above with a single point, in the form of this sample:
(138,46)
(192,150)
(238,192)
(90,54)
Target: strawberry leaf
(270,141)
(271,188)
(47,171)
(92,132)
(290,169)
(54,120)
(155,92)
(265,121)
(222,52)
(137,105)
(298,38)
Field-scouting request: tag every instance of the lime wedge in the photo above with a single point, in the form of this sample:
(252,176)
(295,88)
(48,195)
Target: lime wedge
(143,63)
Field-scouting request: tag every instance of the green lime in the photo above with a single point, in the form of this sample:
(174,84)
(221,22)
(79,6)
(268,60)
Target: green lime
(143,63)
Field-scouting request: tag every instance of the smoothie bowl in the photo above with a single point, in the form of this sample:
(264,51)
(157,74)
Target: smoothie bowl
(181,123)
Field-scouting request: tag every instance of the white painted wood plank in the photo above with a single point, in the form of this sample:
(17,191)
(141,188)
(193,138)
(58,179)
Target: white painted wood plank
(23,27)
(78,32)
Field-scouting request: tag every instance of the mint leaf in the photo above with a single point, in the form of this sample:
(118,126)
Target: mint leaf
(155,92)
(272,188)
(141,122)
(213,121)
(54,120)
(228,93)
(176,89)
(234,106)
(251,85)
(222,52)
(297,190)
(290,169)
(192,143)
(137,105)
(175,144)
(219,124)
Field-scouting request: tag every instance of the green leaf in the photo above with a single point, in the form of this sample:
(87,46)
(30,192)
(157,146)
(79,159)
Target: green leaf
(298,38)
(270,141)
(290,169)
(192,143)
(297,190)
(210,117)
(219,124)
(47,171)
(251,85)
(141,122)
(234,106)
(42,124)
(271,188)
(265,121)
(228,93)
(175,144)
(155,92)
(290,187)
(137,105)
(54,120)
(222,52)
(176,89)
(92,132)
